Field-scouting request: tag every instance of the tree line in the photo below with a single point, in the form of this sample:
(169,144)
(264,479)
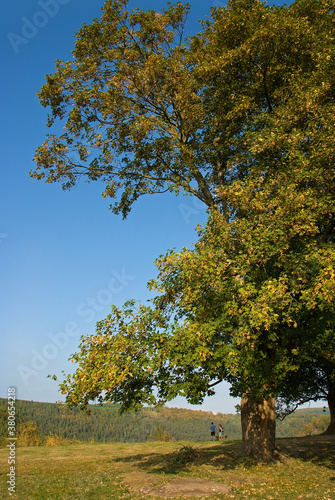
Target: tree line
(39,421)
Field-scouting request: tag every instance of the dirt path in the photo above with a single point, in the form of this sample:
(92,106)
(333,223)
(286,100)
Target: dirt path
(150,484)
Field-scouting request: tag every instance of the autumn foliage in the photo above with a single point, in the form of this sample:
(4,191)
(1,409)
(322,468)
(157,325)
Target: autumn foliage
(241,115)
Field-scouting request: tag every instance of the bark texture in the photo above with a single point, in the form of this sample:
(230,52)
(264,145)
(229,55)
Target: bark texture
(331,403)
(258,420)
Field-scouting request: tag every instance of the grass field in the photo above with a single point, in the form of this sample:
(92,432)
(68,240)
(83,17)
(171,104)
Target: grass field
(305,469)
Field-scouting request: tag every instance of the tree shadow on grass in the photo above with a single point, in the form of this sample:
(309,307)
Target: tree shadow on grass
(225,457)
(222,456)
(318,450)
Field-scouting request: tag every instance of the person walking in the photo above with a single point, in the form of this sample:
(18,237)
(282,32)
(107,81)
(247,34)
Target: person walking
(212,431)
(221,431)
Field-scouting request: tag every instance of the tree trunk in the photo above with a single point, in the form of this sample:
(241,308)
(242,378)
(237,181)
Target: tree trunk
(331,403)
(258,420)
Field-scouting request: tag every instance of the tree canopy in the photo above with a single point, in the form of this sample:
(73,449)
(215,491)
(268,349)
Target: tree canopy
(240,115)
(147,110)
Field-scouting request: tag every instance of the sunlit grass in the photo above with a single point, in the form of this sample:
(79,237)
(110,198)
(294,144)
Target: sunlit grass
(305,469)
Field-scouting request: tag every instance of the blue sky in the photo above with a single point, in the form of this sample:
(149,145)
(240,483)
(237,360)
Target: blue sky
(64,256)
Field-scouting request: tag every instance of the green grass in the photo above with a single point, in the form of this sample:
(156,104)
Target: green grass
(305,469)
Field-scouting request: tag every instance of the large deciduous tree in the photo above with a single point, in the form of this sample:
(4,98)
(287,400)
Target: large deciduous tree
(240,115)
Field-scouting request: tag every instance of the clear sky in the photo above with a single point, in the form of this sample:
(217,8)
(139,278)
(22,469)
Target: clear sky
(64,256)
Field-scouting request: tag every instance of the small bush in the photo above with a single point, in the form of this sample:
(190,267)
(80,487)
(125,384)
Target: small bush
(161,434)
(29,435)
(54,439)
(183,456)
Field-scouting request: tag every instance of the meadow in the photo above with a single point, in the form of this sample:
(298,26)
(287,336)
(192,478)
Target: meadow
(304,468)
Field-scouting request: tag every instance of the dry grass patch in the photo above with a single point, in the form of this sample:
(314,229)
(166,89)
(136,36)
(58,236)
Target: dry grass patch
(305,469)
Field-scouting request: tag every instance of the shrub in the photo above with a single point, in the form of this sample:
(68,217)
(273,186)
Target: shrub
(29,434)
(183,456)
(161,434)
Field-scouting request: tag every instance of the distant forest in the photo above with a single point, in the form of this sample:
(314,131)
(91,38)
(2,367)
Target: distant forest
(105,424)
